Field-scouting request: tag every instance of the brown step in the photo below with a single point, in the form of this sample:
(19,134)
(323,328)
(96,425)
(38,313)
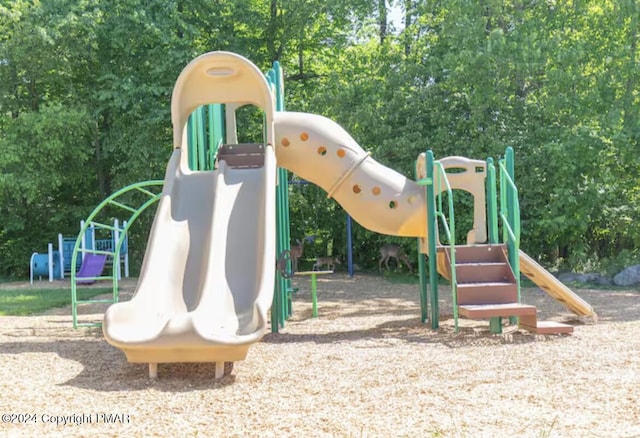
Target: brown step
(531,324)
(487,293)
(482,311)
(479,253)
(484,272)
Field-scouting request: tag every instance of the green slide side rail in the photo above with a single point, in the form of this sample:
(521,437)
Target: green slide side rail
(442,186)
(151,191)
(510,214)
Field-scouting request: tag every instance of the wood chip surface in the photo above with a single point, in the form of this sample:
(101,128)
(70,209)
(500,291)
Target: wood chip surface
(366,367)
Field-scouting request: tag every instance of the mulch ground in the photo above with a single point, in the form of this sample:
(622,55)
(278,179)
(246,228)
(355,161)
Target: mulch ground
(366,367)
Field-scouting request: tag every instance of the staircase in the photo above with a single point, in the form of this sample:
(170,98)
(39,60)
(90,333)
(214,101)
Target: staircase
(486,288)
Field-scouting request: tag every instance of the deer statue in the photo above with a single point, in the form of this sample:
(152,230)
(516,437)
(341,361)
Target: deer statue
(329,261)
(395,251)
(296,252)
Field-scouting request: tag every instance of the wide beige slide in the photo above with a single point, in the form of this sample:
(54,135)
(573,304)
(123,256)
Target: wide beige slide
(206,282)
(554,287)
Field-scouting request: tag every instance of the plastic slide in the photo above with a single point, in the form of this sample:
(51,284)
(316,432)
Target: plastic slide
(203,276)
(207,277)
(92,266)
(554,287)
(206,283)
(377,197)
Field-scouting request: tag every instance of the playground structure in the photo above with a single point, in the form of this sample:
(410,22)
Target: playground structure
(57,264)
(133,199)
(207,279)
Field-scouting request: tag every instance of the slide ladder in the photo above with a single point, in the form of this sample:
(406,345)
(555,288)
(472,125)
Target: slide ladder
(485,277)
(486,288)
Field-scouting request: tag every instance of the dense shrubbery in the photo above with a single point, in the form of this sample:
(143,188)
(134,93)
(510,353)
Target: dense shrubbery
(86,85)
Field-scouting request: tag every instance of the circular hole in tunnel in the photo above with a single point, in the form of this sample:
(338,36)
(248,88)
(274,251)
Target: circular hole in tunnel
(322,151)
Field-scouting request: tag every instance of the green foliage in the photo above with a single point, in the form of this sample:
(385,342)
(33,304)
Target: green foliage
(19,302)
(85,90)
(44,182)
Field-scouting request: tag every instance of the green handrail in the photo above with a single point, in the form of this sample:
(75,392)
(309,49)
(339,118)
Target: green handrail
(492,202)
(510,213)
(437,183)
(442,185)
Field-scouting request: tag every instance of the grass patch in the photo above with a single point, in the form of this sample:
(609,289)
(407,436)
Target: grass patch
(21,302)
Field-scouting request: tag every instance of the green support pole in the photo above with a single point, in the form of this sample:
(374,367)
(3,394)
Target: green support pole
(512,200)
(281,308)
(217,132)
(492,202)
(422,271)
(276,307)
(422,274)
(192,142)
(284,183)
(431,234)
(202,147)
(495,324)
(314,295)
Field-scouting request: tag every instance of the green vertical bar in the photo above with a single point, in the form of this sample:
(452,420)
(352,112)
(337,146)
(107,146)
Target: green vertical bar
(284,180)
(431,234)
(492,202)
(216,131)
(422,274)
(510,200)
(314,295)
(281,306)
(284,232)
(503,203)
(513,215)
(277,311)
(283,286)
(202,147)
(495,325)
(191,142)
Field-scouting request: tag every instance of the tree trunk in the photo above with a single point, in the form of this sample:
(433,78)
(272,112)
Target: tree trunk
(301,53)
(102,180)
(382,20)
(271,31)
(180,9)
(630,119)
(408,20)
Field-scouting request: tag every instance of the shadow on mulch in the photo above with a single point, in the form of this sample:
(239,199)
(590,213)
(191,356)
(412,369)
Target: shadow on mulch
(414,331)
(105,368)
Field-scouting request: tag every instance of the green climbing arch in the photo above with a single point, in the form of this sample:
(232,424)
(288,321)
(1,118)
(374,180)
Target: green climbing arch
(133,200)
